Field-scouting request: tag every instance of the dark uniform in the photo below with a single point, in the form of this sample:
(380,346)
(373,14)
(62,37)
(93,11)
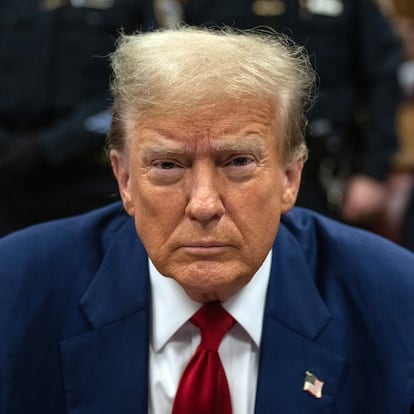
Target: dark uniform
(54,104)
(356,55)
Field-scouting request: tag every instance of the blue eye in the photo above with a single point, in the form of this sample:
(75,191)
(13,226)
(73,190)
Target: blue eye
(240,161)
(167,165)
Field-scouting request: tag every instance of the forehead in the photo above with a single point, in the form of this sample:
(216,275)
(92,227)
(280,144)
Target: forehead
(227,123)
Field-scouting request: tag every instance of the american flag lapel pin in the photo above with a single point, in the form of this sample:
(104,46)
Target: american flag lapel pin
(313,385)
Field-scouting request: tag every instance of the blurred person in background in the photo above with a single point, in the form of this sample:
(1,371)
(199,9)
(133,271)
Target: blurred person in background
(54,104)
(352,127)
(403,20)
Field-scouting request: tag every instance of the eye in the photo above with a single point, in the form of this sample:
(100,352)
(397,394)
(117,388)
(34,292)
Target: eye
(166,172)
(240,167)
(240,161)
(166,165)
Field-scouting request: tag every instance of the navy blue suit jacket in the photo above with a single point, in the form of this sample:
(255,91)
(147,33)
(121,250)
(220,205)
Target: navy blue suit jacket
(75,315)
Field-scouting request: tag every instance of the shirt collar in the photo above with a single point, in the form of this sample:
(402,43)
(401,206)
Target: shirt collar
(170,303)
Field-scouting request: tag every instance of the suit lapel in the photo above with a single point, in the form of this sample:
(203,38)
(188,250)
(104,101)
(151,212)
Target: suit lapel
(295,316)
(106,370)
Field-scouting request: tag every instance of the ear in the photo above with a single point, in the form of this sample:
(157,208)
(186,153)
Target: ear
(291,183)
(120,169)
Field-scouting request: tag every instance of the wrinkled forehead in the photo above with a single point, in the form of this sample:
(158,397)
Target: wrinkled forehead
(234,127)
(220,118)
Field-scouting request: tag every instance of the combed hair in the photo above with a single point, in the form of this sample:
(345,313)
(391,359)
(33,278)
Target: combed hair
(178,70)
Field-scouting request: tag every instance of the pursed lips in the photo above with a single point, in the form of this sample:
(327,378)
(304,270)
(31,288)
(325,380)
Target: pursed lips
(205,247)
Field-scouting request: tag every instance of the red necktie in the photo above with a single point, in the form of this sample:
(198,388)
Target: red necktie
(203,387)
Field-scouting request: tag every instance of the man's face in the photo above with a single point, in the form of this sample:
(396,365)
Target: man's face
(206,192)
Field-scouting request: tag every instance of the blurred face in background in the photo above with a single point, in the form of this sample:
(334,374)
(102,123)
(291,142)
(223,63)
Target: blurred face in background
(206,190)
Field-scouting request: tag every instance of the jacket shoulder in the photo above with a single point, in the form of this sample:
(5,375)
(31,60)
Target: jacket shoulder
(353,266)
(341,253)
(320,235)
(61,243)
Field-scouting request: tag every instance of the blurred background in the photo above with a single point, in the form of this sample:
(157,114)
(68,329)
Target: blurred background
(55,105)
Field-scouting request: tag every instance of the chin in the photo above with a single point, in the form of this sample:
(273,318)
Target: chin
(211,286)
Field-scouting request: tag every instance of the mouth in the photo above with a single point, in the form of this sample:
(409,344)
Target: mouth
(205,248)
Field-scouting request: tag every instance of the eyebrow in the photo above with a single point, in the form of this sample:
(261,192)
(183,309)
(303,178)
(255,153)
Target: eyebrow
(247,143)
(169,147)
(162,150)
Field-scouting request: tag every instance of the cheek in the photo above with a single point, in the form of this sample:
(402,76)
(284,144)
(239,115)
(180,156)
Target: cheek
(157,213)
(151,200)
(258,215)
(262,198)
(262,223)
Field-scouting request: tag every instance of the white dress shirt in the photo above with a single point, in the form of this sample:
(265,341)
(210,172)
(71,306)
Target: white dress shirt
(174,340)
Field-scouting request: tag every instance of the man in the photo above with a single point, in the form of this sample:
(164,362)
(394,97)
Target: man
(207,147)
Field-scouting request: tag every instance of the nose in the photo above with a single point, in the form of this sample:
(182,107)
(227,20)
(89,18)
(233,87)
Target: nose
(205,199)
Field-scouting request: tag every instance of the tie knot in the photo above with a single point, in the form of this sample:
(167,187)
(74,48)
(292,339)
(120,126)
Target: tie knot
(214,322)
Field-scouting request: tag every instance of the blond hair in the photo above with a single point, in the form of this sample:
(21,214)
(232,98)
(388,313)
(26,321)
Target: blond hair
(177,70)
